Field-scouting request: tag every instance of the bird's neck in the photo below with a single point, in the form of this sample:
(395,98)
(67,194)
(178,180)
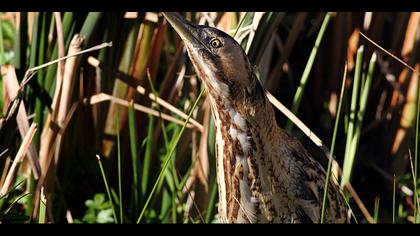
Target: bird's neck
(241,143)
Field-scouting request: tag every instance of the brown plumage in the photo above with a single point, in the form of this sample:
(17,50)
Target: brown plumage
(263,174)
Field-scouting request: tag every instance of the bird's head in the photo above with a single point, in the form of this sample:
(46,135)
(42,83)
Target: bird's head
(218,59)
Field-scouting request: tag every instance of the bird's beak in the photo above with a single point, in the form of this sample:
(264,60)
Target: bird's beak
(188,32)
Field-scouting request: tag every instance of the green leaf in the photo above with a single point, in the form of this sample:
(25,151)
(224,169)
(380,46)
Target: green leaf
(105,216)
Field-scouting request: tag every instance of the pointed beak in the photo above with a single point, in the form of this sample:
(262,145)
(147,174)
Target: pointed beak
(189,33)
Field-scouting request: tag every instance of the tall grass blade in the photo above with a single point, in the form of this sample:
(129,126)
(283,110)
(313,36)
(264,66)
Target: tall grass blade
(169,155)
(147,155)
(2,54)
(67,25)
(119,166)
(304,79)
(337,120)
(132,127)
(350,156)
(88,28)
(393,202)
(212,203)
(267,25)
(350,131)
(416,154)
(244,29)
(107,188)
(42,207)
(174,206)
(360,114)
(171,177)
(32,63)
(376,210)
(240,24)
(2,60)
(21,43)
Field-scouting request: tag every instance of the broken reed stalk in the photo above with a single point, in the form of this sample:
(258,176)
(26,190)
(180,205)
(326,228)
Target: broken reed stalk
(18,159)
(101,97)
(13,89)
(390,54)
(140,89)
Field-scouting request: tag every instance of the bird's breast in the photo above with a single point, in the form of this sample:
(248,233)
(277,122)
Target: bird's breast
(235,165)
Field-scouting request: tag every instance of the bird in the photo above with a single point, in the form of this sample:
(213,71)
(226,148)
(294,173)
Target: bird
(264,174)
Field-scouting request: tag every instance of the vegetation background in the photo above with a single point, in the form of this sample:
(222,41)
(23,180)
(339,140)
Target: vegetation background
(102,137)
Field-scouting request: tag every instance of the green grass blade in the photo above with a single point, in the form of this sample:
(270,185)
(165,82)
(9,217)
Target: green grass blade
(304,79)
(169,154)
(174,206)
(92,20)
(43,40)
(367,85)
(34,42)
(2,60)
(13,188)
(51,73)
(13,204)
(2,54)
(114,196)
(165,206)
(393,202)
(350,132)
(42,207)
(68,23)
(1,95)
(351,211)
(243,36)
(147,155)
(376,210)
(359,118)
(240,24)
(212,202)
(33,62)
(171,175)
(107,188)
(360,114)
(119,166)
(263,34)
(337,120)
(416,154)
(132,128)
(156,95)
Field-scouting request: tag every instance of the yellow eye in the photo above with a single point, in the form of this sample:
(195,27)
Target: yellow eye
(215,43)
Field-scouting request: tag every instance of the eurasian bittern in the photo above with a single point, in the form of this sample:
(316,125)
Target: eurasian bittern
(263,173)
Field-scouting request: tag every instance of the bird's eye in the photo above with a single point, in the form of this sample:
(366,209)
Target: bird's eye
(215,43)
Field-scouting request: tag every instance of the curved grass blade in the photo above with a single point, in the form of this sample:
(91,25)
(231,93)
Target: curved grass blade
(169,155)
